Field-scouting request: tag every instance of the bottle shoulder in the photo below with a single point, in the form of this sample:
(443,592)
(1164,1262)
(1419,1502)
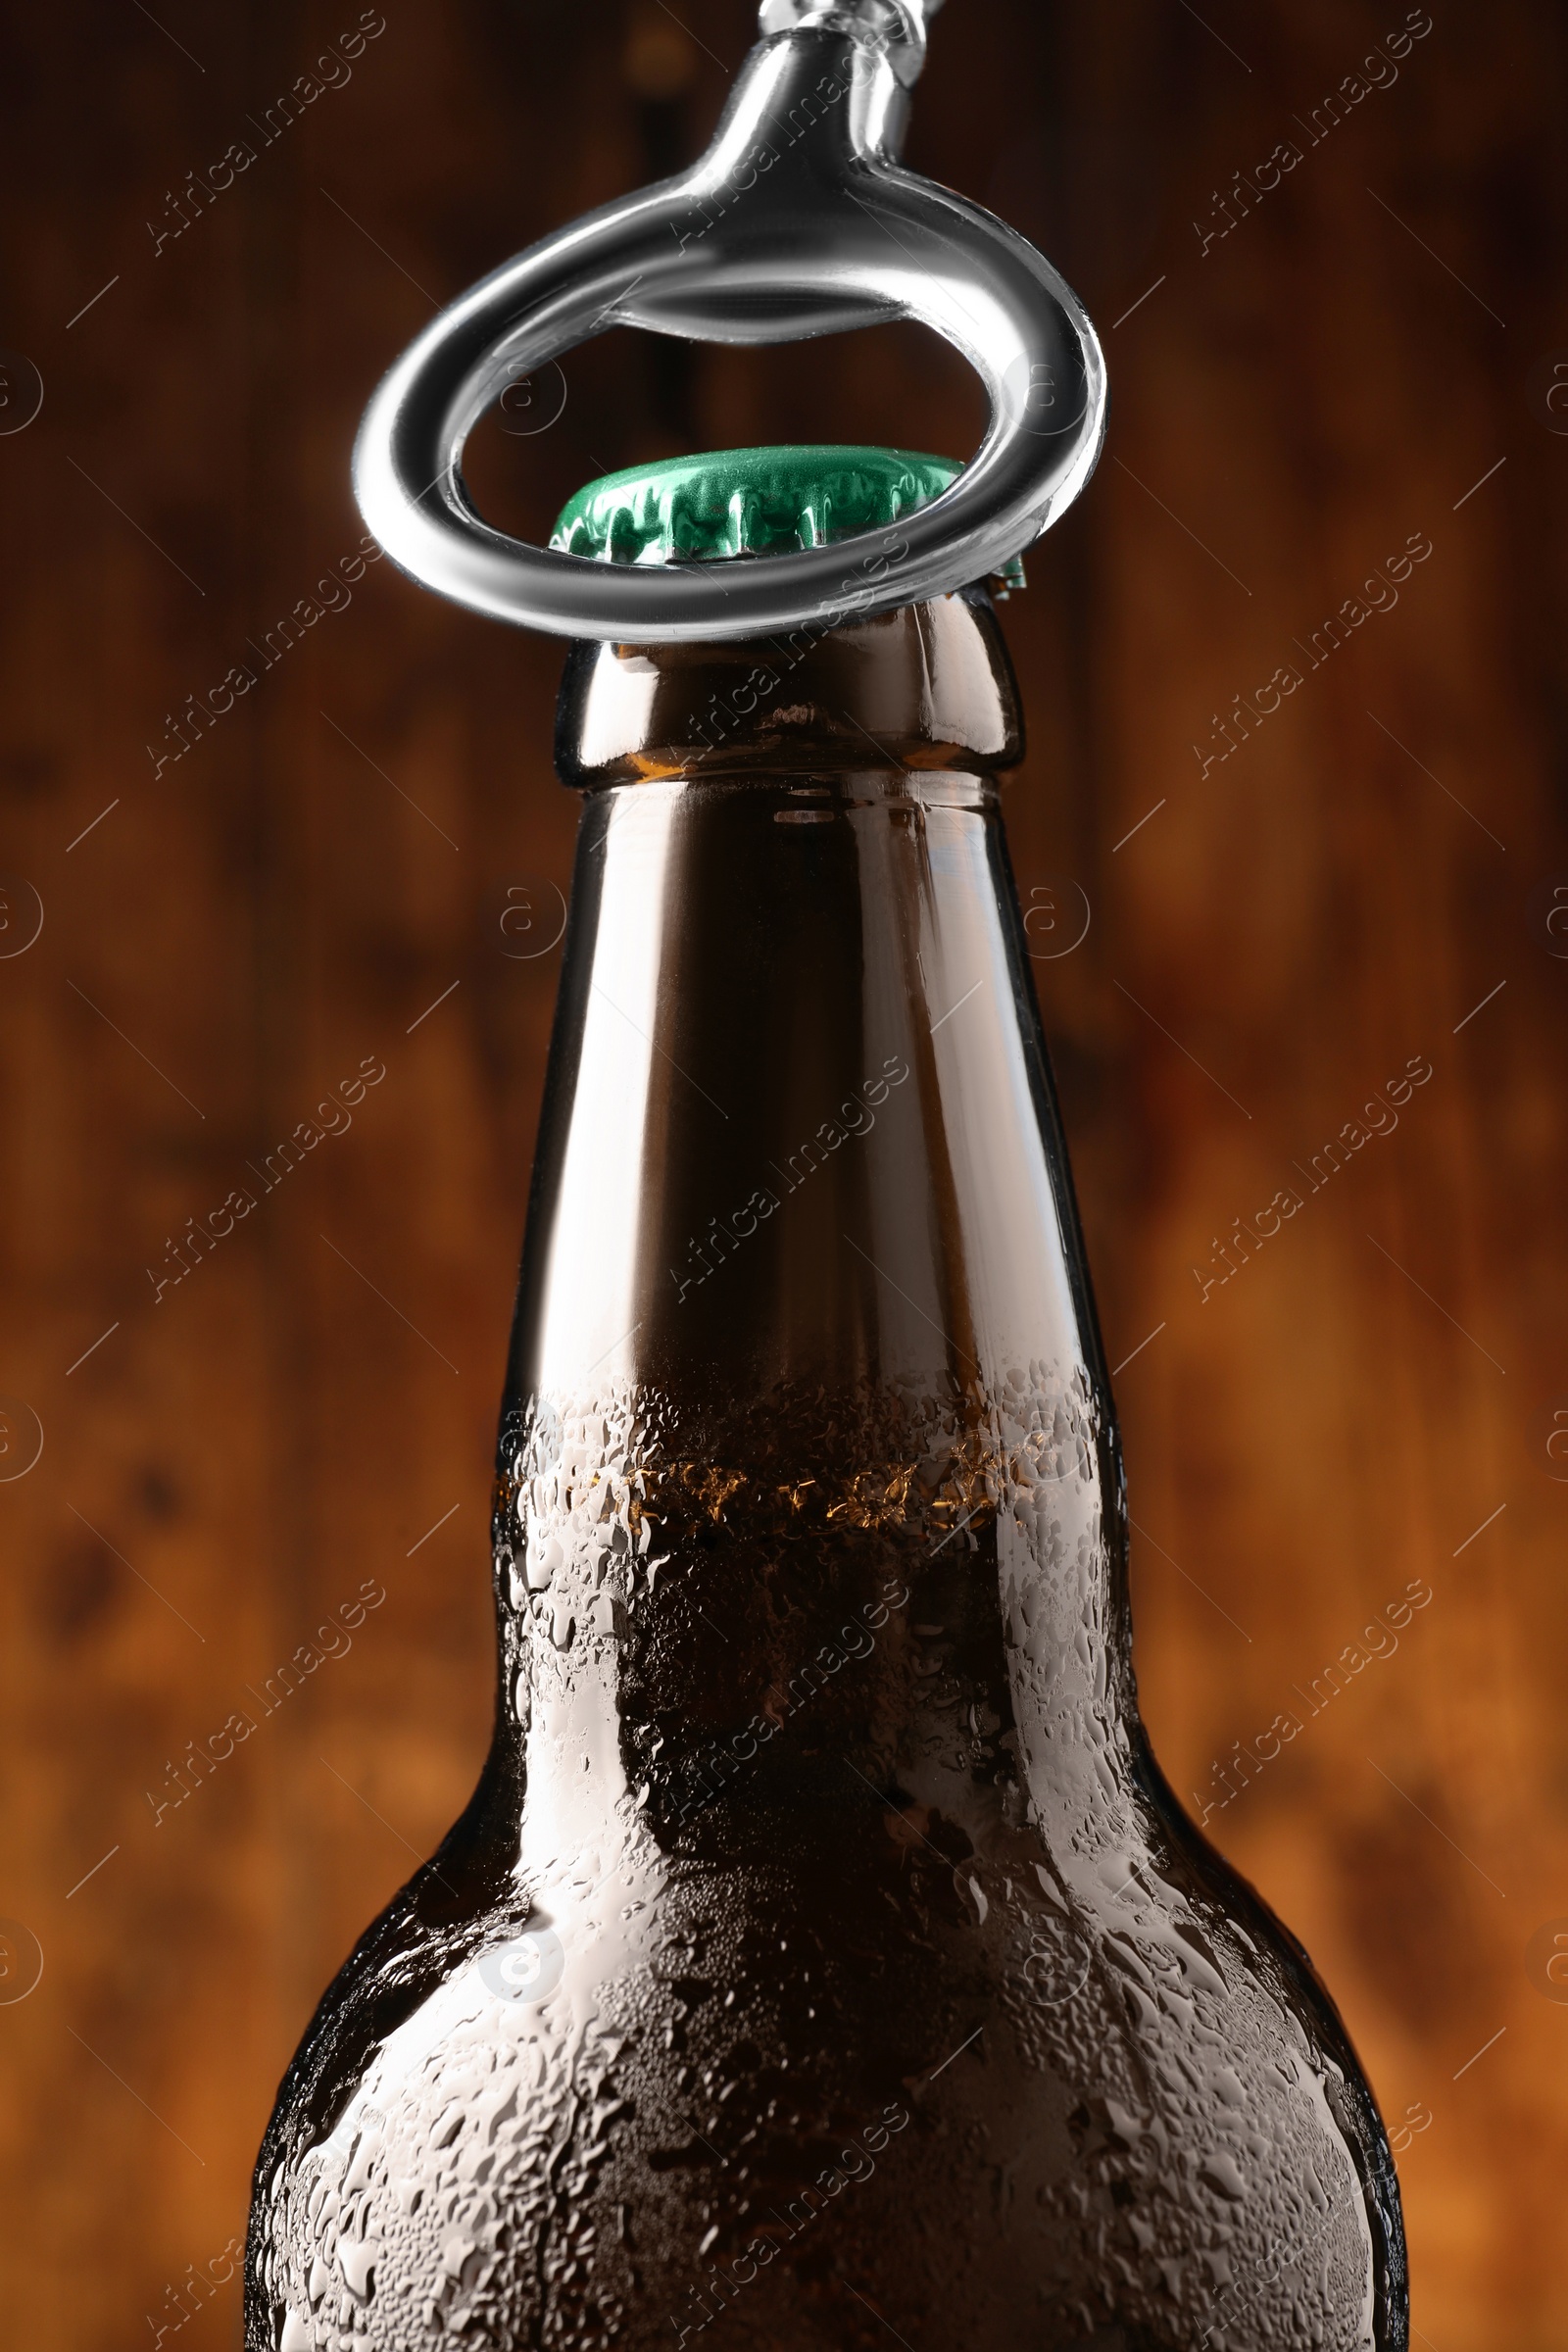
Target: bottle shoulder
(678,2080)
(869,1899)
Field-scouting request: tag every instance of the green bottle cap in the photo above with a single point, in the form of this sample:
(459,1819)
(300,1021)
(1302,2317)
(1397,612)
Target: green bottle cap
(749,502)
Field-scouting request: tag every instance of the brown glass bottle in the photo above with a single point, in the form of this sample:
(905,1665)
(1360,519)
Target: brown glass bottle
(822,1960)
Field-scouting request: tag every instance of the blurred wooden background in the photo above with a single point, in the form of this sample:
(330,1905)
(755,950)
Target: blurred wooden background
(1366,356)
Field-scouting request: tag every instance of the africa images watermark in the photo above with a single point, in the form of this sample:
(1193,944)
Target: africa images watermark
(1236,1773)
(722,1761)
(742,176)
(1378,71)
(857,1117)
(1380,1116)
(865,583)
(1232,2306)
(197,718)
(195,2284)
(1377,594)
(855,2163)
(198,1240)
(333,73)
(331,1640)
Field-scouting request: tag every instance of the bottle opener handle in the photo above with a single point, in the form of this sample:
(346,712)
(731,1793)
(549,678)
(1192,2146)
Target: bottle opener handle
(799,221)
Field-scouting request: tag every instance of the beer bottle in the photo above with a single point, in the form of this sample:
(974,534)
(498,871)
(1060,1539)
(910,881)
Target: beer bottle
(822,1959)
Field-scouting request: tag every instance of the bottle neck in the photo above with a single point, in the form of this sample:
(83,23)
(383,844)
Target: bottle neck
(803,1329)
(790,1041)
(797,1127)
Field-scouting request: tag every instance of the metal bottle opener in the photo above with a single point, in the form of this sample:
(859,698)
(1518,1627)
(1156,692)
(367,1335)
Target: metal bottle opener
(799,221)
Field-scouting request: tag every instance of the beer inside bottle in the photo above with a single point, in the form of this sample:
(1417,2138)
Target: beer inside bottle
(822,1961)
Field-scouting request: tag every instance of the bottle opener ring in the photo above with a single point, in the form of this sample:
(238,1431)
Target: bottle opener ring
(799,220)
